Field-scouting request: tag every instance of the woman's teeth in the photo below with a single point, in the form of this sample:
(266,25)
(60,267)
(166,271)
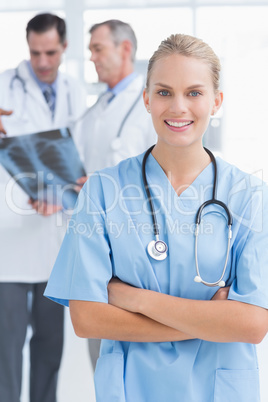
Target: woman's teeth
(178,124)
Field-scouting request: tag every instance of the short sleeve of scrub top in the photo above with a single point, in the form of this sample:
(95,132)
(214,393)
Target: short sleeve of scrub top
(83,266)
(250,251)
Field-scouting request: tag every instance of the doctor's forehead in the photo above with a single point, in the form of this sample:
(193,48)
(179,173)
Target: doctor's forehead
(44,40)
(100,37)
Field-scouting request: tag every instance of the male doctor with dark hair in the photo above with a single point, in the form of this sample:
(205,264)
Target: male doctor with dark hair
(40,99)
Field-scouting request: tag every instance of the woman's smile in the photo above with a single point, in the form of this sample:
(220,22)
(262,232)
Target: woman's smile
(178,125)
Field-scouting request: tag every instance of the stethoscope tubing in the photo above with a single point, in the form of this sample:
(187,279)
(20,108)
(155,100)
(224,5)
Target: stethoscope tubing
(148,192)
(130,110)
(23,84)
(123,123)
(198,277)
(198,218)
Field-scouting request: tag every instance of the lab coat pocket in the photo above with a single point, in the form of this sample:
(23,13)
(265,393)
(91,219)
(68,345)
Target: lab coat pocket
(237,385)
(109,378)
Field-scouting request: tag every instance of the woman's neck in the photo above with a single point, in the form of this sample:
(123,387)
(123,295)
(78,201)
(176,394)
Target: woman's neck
(181,165)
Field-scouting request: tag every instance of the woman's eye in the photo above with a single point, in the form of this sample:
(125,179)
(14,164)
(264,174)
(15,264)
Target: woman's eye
(194,93)
(163,93)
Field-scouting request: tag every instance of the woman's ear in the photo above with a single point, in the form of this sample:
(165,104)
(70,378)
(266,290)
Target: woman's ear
(146,100)
(217,103)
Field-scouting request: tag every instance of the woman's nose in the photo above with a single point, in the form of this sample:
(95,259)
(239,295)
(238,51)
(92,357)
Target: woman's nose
(178,105)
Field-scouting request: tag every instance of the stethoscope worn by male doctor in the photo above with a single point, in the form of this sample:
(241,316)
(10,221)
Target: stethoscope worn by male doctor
(22,82)
(116,142)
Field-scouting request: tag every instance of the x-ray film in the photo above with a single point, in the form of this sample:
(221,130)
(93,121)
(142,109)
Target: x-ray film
(46,165)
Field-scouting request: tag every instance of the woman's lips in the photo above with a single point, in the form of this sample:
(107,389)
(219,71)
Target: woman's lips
(178,125)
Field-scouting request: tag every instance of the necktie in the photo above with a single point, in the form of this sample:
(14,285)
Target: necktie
(50,98)
(106,98)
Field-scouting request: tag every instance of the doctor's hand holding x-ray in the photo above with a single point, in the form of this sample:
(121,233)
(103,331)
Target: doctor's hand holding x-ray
(4,113)
(41,207)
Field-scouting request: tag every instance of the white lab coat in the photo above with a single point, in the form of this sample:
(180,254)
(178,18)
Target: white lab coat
(99,127)
(29,242)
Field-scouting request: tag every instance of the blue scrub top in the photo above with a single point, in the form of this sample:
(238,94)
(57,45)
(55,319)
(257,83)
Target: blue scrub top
(108,236)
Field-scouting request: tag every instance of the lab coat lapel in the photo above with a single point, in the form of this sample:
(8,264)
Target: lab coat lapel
(63,106)
(126,97)
(31,86)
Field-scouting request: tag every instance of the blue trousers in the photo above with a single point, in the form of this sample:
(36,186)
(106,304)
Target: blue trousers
(17,311)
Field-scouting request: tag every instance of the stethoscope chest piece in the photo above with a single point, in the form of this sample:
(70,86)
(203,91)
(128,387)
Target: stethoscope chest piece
(157,249)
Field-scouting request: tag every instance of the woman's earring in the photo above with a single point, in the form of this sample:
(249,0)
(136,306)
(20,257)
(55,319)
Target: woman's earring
(148,109)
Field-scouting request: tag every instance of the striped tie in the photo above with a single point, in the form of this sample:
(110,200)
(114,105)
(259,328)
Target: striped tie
(49,97)
(106,98)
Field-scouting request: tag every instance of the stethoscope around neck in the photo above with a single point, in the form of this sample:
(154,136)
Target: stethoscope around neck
(17,77)
(157,248)
(116,142)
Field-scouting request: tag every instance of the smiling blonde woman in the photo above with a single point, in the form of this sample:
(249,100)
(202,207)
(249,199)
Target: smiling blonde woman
(165,336)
